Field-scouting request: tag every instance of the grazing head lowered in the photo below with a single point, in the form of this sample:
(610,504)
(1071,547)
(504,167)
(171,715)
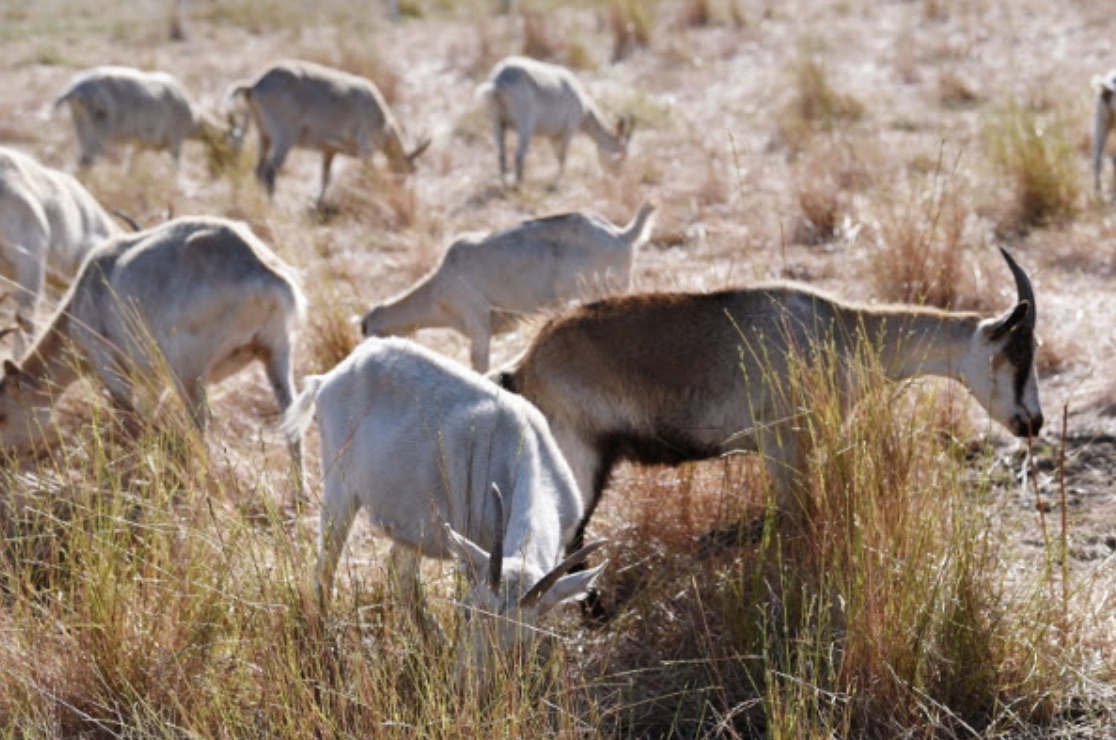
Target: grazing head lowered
(483,286)
(419,442)
(149,109)
(539,99)
(48,224)
(666,378)
(202,297)
(302,104)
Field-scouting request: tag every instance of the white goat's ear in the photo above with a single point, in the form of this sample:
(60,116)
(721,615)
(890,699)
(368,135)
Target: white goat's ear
(472,557)
(572,586)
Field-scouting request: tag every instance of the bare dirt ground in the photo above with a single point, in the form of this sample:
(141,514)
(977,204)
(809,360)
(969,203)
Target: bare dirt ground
(713,145)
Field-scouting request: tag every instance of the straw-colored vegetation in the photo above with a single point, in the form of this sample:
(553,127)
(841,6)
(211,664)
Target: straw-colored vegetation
(933,581)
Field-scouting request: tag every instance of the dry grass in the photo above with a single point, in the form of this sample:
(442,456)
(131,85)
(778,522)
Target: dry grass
(630,22)
(1036,159)
(155,588)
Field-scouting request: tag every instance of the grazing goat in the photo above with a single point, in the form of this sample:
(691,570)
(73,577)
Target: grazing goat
(149,109)
(667,378)
(203,295)
(418,440)
(482,286)
(534,97)
(48,223)
(301,104)
(1103,119)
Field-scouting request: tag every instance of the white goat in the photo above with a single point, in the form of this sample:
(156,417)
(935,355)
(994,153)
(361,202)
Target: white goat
(534,97)
(302,104)
(484,285)
(203,295)
(666,378)
(1104,117)
(149,109)
(418,440)
(48,223)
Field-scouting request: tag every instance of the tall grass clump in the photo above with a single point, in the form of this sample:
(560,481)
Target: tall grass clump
(815,105)
(873,603)
(139,600)
(631,23)
(877,603)
(922,243)
(1040,166)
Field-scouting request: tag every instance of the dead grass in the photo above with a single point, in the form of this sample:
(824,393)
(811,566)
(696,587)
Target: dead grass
(630,23)
(148,588)
(1036,160)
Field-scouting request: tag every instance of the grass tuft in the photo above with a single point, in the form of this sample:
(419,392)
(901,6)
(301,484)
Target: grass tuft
(1039,165)
(630,23)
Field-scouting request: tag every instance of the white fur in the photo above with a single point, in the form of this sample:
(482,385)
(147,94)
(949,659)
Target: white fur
(205,293)
(1104,115)
(418,441)
(483,285)
(537,98)
(48,223)
(124,105)
(302,104)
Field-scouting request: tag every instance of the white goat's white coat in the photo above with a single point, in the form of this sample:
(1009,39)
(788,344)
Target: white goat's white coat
(203,295)
(302,104)
(125,105)
(1104,117)
(418,441)
(48,223)
(482,286)
(537,98)
(667,378)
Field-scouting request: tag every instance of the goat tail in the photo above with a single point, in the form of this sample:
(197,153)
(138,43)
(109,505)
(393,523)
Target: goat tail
(63,97)
(639,230)
(301,411)
(486,90)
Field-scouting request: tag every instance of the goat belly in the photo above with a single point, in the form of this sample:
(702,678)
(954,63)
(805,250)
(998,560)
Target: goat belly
(667,447)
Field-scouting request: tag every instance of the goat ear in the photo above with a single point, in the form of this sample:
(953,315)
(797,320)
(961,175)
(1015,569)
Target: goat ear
(472,556)
(534,596)
(12,370)
(1016,317)
(572,586)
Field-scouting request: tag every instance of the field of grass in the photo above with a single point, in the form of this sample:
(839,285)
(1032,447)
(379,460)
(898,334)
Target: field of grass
(938,582)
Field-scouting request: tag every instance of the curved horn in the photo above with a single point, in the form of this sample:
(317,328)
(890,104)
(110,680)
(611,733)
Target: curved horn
(531,598)
(1023,285)
(496,553)
(419,149)
(132,223)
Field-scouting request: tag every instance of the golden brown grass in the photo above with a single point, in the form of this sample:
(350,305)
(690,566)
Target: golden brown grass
(156,588)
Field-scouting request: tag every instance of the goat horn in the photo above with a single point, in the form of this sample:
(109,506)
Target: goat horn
(1023,285)
(496,554)
(532,597)
(132,223)
(419,149)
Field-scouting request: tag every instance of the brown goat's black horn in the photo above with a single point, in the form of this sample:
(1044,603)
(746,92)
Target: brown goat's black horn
(1023,285)
(496,552)
(532,597)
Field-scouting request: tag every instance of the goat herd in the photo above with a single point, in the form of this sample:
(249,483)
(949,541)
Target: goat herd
(500,471)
